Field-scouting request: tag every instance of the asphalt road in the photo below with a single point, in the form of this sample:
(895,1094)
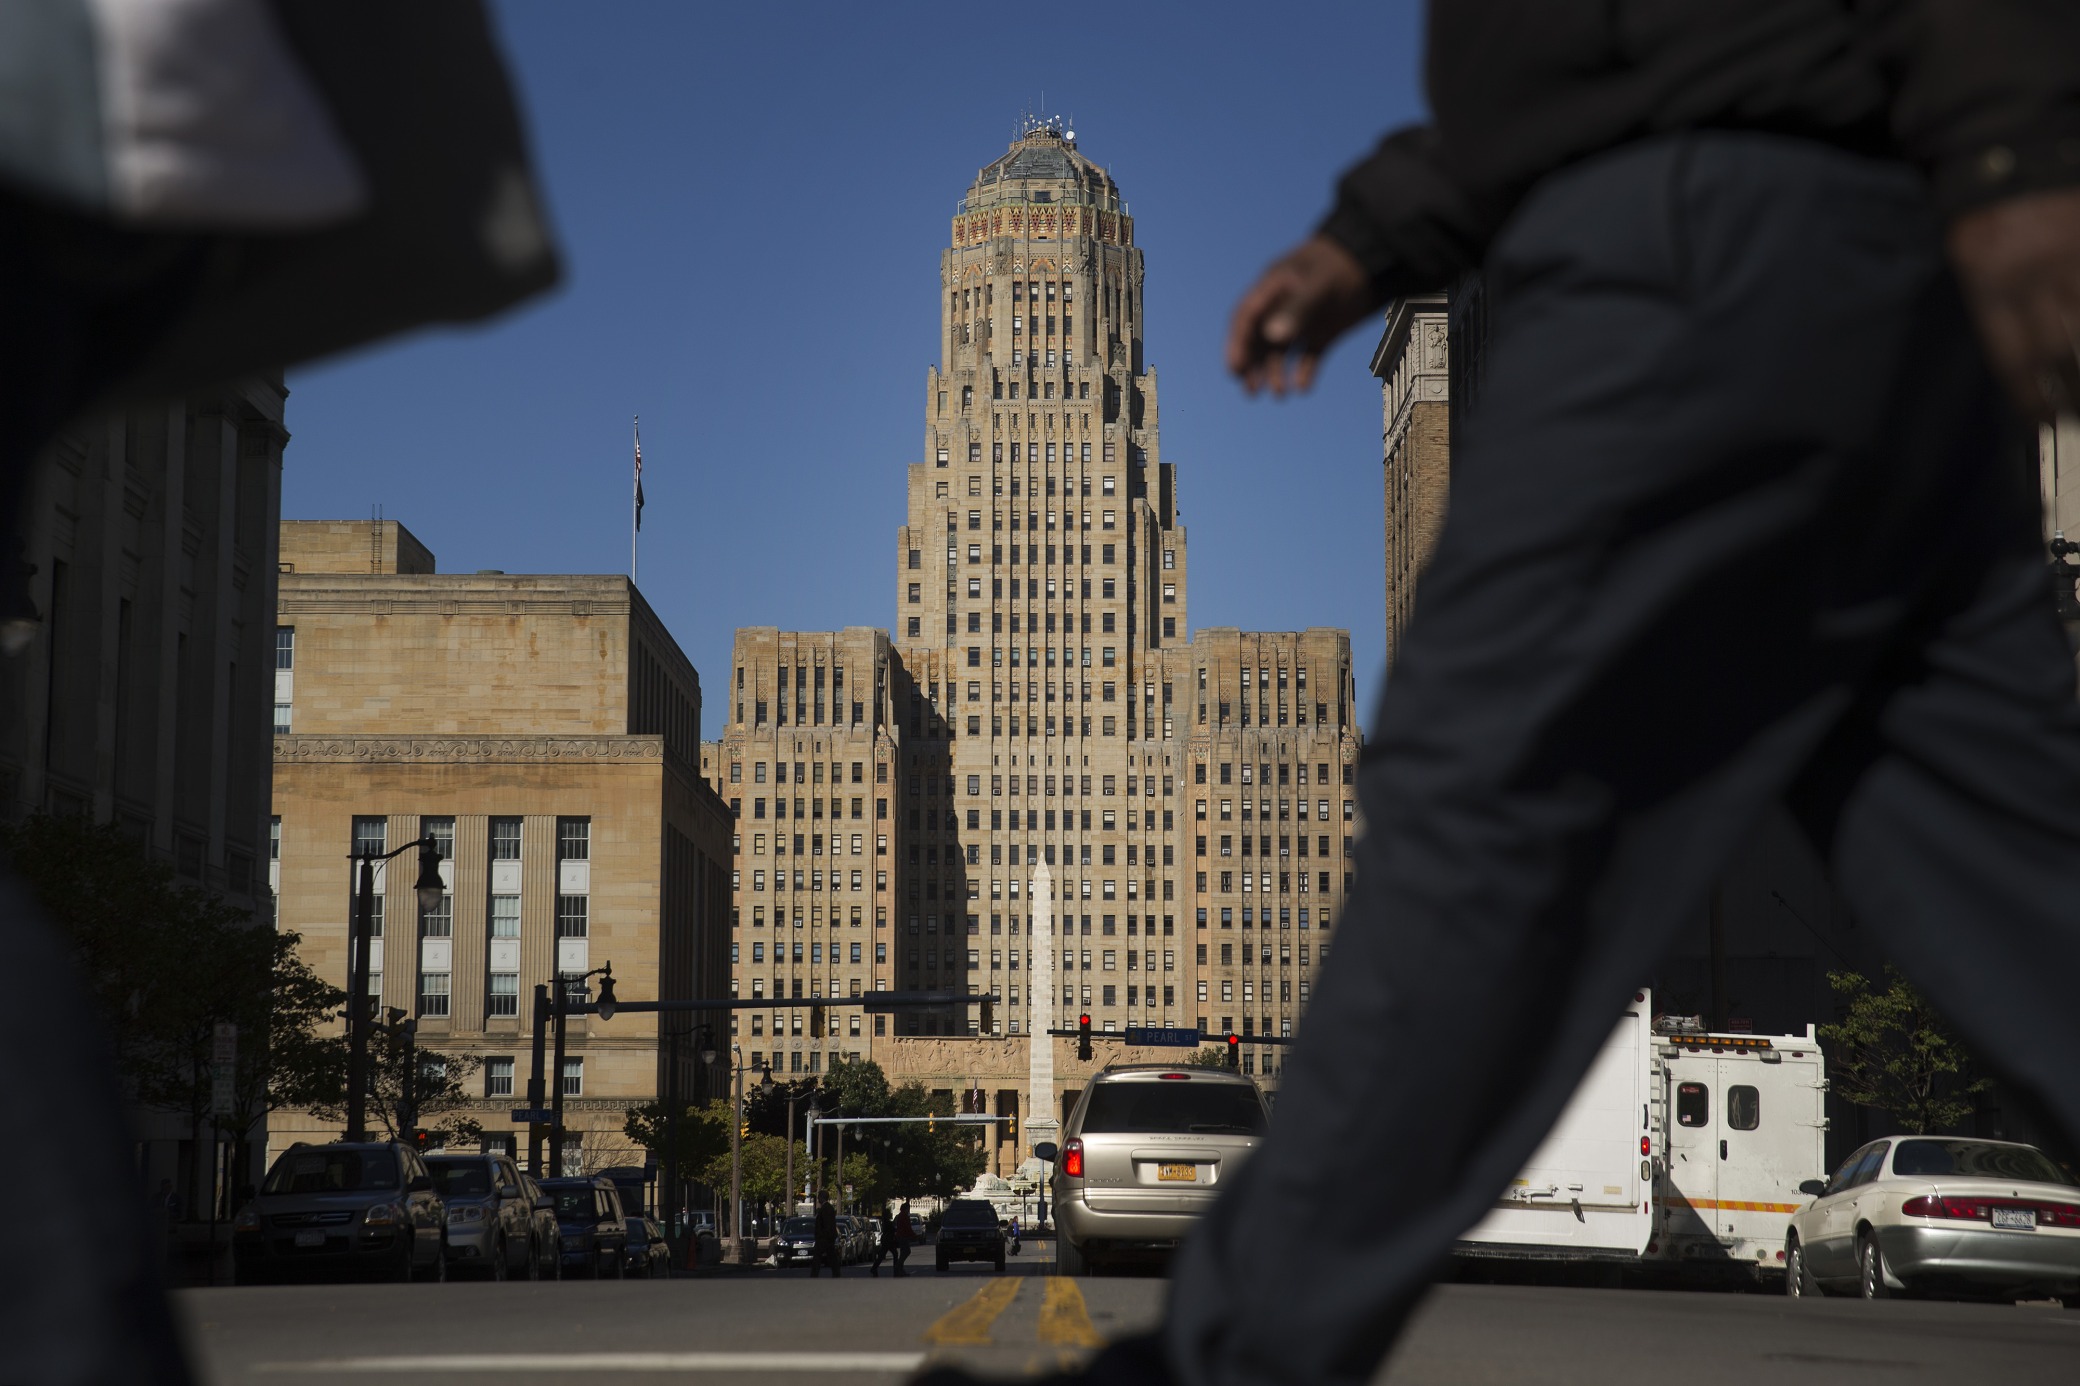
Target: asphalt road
(776,1328)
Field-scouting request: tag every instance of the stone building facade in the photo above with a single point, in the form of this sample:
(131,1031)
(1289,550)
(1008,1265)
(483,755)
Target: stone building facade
(545,730)
(139,692)
(1037,756)
(1413,362)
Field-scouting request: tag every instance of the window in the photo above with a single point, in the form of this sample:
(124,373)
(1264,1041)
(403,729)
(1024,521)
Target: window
(505,839)
(570,916)
(504,995)
(285,647)
(282,718)
(573,1077)
(573,839)
(1743,1107)
(433,993)
(1693,1104)
(498,1077)
(505,916)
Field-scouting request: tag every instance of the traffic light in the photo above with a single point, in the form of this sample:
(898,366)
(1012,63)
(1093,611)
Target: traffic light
(422,1140)
(931,1123)
(744,1130)
(1011,1128)
(1235,1051)
(1083,1038)
(816,1022)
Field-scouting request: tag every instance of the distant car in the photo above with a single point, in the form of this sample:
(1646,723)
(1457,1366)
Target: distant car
(1143,1156)
(1938,1215)
(796,1244)
(649,1254)
(326,1211)
(918,1228)
(592,1229)
(969,1231)
(853,1238)
(491,1224)
(546,1234)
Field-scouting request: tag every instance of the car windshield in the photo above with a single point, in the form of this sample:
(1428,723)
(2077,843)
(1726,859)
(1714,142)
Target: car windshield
(332,1171)
(798,1227)
(637,1232)
(575,1205)
(461,1181)
(966,1214)
(1976,1159)
(1174,1108)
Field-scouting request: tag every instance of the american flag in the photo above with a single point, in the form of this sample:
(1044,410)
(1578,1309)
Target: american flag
(639,475)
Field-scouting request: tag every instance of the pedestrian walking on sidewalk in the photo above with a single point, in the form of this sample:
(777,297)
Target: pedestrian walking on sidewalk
(1739,516)
(826,1252)
(895,1241)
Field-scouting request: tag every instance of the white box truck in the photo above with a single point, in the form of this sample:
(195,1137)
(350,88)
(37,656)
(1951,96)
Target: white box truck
(1681,1148)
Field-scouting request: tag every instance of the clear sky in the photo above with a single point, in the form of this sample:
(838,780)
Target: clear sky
(752,200)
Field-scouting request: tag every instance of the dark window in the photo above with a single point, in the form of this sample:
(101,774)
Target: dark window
(1867,1168)
(1693,1104)
(1976,1159)
(331,1171)
(1170,1106)
(1743,1107)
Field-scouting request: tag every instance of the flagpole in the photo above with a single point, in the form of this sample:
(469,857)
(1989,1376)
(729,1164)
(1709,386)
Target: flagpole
(636,501)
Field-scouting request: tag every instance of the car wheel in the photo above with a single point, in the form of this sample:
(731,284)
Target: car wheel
(621,1265)
(242,1274)
(1871,1266)
(1000,1258)
(943,1261)
(1069,1258)
(1798,1278)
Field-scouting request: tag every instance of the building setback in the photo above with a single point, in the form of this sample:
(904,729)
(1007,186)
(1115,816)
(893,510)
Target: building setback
(544,730)
(140,695)
(1042,737)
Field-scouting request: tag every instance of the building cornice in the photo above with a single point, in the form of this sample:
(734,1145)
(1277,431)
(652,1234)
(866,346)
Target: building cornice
(470,750)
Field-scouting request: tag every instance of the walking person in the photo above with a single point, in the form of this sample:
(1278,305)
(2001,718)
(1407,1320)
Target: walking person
(886,1242)
(906,1237)
(826,1252)
(1739,515)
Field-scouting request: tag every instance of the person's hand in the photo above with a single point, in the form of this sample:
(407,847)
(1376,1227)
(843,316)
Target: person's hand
(1300,305)
(2019,261)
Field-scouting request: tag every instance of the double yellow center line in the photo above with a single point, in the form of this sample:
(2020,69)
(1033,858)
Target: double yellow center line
(1065,1321)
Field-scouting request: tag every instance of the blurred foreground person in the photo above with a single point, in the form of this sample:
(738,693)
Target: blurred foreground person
(1741,514)
(193,190)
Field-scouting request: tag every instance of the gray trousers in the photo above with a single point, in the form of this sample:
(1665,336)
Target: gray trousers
(1737,518)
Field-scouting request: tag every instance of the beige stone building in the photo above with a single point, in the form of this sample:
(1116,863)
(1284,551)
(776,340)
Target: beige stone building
(544,730)
(139,693)
(1039,759)
(1413,362)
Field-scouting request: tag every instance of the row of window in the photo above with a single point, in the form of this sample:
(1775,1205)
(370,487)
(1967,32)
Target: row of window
(573,837)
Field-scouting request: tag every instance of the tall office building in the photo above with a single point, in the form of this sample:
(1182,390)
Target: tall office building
(1043,786)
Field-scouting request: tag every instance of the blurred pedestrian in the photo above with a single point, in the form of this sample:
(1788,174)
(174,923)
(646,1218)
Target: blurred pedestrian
(1738,515)
(826,1251)
(193,191)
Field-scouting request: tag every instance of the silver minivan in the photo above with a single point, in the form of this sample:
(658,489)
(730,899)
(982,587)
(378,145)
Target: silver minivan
(1143,1154)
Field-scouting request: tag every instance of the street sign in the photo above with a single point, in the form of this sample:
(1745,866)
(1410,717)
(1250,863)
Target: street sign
(533,1116)
(223,1069)
(1163,1038)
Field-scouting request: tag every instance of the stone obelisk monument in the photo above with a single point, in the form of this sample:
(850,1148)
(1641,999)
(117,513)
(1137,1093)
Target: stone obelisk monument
(1041,1123)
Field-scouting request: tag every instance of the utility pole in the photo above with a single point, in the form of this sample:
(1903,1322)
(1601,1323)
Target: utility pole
(536,1093)
(360,1005)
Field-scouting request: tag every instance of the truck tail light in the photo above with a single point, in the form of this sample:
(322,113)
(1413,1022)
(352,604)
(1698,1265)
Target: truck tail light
(1646,1145)
(1072,1158)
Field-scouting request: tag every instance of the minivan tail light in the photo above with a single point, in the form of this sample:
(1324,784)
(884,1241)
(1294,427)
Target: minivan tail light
(1072,1158)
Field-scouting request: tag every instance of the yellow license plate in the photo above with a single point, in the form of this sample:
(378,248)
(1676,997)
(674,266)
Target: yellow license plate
(1187,1174)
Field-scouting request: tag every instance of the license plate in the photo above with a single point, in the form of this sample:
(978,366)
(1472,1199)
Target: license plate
(311,1238)
(2015,1219)
(1177,1174)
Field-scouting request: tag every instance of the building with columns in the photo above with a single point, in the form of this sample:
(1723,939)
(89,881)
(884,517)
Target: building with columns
(1041,784)
(545,731)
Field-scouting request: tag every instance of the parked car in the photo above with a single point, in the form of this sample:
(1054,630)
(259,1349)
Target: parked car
(969,1231)
(649,1254)
(546,1234)
(1143,1156)
(796,1244)
(326,1211)
(918,1229)
(1938,1215)
(591,1227)
(491,1230)
(853,1239)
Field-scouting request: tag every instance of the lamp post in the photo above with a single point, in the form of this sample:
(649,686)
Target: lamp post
(361,1012)
(736,1158)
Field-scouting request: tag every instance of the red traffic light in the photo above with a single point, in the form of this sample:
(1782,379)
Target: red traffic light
(1083,1022)
(1234,1051)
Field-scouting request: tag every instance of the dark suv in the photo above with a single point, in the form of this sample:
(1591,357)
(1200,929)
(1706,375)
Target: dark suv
(969,1231)
(327,1210)
(592,1226)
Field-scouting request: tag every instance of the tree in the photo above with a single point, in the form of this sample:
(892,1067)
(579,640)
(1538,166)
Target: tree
(701,1135)
(1893,1053)
(1208,1058)
(442,1093)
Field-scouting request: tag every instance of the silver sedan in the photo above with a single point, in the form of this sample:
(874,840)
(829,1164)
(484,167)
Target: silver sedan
(1938,1215)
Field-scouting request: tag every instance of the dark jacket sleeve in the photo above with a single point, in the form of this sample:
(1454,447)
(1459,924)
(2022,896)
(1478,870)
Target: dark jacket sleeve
(1986,94)
(1404,218)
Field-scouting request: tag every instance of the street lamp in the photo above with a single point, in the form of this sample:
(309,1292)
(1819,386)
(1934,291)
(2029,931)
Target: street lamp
(361,1014)
(736,1153)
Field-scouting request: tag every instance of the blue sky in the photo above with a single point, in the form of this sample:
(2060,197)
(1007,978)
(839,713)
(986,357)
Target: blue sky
(752,201)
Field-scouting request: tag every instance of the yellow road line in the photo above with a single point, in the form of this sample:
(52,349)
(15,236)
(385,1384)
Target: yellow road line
(968,1323)
(1063,1317)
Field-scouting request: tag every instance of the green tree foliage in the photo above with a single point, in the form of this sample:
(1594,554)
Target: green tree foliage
(907,1159)
(166,962)
(443,1093)
(1208,1058)
(1893,1053)
(698,1138)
